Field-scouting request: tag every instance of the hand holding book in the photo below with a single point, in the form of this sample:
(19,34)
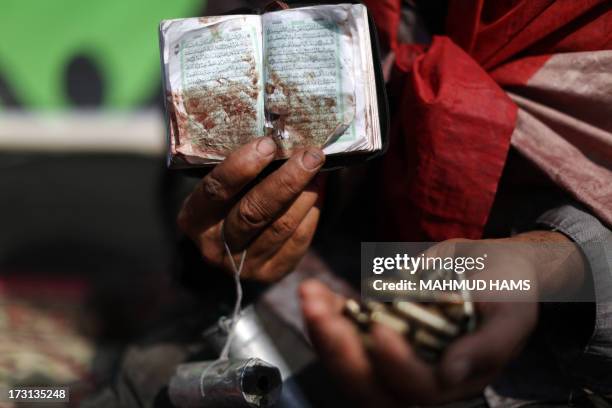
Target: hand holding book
(302,76)
(274,221)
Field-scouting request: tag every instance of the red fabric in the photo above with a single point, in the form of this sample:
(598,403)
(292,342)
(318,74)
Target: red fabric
(452,122)
(509,29)
(449,146)
(386,14)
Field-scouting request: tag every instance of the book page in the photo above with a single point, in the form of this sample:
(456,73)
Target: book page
(308,70)
(217,89)
(356,137)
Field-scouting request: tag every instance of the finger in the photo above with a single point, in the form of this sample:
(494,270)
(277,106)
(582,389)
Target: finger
(290,253)
(339,345)
(405,374)
(216,190)
(271,198)
(314,290)
(477,357)
(277,233)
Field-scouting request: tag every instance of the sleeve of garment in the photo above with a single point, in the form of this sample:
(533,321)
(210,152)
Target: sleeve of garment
(589,365)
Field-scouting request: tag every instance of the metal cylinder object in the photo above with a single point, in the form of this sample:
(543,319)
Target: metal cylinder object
(248,383)
(260,333)
(250,339)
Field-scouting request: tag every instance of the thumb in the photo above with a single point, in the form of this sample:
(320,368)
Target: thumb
(478,357)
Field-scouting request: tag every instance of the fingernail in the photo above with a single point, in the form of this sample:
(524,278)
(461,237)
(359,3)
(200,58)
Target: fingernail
(266,146)
(312,159)
(457,371)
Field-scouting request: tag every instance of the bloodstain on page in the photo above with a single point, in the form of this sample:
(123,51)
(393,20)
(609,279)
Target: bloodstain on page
(223,117)
(216,111)
(298,119)
(305,102)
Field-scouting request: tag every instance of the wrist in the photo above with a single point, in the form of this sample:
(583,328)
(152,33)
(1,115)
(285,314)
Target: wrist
(556,261)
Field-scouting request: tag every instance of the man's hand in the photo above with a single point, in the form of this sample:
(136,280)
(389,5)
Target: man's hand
(274,220)
(389,374)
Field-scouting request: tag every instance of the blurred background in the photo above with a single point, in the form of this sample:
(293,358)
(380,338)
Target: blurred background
(87,237)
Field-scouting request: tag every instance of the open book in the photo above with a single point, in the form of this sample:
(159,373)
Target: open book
(305,76)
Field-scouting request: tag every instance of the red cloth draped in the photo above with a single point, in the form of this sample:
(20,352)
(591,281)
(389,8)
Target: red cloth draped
(452,121)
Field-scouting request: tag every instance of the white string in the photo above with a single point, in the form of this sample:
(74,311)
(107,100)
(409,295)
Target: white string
(238,304)
(235,314)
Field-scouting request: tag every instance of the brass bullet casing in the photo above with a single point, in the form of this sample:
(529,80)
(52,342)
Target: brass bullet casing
(422,338)
(426,317)
(395,323)
(353,310)
(455,311)
(428,327)
(374,306)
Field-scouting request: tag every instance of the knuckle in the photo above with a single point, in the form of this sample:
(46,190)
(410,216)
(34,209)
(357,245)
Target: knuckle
(301,237)
(268,276)
(212,189)
(289,181)
(253,270)
(250,212)
(284,226)
(271,271)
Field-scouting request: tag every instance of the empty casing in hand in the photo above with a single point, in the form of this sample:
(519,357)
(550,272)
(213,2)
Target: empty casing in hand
(426,317)
(429,328)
